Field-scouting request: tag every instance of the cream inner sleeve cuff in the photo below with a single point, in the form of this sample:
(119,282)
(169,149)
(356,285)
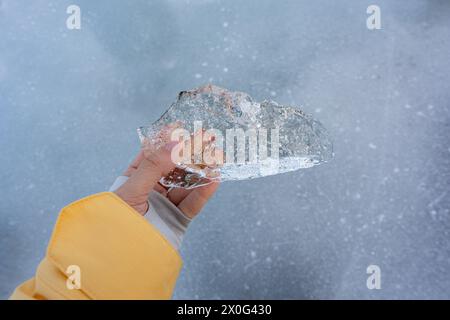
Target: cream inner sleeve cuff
(163,214)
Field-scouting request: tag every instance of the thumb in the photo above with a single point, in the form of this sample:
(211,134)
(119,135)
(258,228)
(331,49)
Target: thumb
(136,189)
(156,164)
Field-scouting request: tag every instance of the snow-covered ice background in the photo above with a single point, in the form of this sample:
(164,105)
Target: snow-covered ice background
(70,101)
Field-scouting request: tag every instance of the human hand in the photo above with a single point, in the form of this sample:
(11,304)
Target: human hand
(144,174)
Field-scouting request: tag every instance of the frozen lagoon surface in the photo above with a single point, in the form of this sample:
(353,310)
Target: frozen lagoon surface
(70,102)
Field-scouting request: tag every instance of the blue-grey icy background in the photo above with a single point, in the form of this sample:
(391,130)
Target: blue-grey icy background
(70,102)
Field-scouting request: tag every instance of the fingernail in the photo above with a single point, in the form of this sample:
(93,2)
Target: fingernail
(169,146)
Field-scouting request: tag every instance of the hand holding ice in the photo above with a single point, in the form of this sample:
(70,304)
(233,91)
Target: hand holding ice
(247,139)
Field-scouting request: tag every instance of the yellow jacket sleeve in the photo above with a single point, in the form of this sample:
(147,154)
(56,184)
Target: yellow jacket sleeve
(118,253)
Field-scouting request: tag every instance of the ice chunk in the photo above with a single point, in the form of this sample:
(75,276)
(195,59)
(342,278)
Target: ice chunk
(255,139)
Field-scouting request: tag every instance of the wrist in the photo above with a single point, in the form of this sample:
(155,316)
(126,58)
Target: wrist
(170,221)
(139,204)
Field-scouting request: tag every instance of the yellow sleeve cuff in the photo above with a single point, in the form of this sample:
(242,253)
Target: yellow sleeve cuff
(120,254)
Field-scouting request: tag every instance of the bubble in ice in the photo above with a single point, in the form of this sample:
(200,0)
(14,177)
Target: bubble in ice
(254,139)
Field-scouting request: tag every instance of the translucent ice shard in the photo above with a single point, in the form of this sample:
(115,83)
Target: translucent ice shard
(254,139)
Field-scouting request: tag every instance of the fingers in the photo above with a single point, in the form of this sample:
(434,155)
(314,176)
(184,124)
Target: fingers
(152,163)
(134,164)
(159,188)
(152,167)
(136,189)
(196,199)
(177,195)
(155,161)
